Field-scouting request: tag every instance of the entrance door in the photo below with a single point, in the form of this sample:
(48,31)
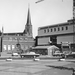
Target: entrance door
(53,39)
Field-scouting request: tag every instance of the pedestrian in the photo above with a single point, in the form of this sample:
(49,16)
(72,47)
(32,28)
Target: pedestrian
(73,72)
(34,58)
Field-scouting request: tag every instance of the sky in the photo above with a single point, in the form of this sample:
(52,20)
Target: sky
(13,14)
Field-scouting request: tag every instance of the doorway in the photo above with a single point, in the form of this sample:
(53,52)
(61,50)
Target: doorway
(53,39)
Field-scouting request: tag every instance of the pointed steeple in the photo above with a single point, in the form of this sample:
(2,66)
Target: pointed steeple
(28,26)
(28,16)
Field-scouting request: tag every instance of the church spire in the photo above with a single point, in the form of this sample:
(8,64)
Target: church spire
(28,16)
(28,26)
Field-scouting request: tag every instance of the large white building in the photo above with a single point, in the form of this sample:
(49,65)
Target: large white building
(55,34)
(61,35)
(64,32)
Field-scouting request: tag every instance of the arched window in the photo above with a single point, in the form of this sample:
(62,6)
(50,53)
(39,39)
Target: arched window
(66,28)
(54,29)
(45,31)
(48,30)
(58,29)
(62,28)
(51,29)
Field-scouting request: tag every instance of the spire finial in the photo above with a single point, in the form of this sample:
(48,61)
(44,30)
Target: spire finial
(28,5)
(28,16)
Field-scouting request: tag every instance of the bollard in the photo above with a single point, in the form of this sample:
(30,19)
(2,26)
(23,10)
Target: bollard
(9,59)
(59,59)
(36,59)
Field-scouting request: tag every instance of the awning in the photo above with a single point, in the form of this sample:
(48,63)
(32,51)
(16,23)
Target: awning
(46,47)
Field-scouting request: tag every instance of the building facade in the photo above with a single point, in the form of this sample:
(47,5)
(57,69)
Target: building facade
(25,38)
(64,32)
(59,34)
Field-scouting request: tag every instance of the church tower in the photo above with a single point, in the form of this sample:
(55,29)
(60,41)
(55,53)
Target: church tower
(28,27)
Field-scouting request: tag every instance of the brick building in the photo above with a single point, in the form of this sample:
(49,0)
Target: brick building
(9,41)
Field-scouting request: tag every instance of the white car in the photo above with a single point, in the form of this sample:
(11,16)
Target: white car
(58,53)
(15,54)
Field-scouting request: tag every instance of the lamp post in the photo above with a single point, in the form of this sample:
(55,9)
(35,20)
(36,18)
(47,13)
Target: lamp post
(19,50)
(1,40)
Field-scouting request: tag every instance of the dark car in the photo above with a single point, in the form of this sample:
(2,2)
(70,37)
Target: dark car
(29,55)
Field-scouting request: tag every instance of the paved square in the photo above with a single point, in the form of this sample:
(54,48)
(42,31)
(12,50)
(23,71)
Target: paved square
(30,67)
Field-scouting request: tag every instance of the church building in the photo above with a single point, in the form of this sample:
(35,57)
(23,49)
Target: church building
(25,38)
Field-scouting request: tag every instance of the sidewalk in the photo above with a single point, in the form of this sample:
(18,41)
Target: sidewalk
(30,67)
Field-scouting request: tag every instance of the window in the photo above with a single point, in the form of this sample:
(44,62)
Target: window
(66,28)
(13,47)
(62,28)
(9,47)
(54,29)
(45,31)
(48,30)
(51,30)
(74,3)
(4,47)
(58,29)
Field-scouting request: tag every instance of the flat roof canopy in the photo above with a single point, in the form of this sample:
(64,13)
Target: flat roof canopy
(46,47)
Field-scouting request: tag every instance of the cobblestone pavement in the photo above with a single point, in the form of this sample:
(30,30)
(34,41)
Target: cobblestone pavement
(30,67)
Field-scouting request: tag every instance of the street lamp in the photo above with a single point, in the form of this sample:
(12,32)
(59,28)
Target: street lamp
(1,42)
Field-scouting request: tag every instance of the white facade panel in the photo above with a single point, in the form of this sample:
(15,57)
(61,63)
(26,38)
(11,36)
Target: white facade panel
(68,38)
(43,41)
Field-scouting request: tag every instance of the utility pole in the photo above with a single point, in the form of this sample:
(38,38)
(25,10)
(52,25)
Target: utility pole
(1,40)
(74,20)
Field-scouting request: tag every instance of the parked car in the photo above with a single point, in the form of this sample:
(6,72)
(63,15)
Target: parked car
(58,53)
(71,55)
(15,54)
(29,55)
